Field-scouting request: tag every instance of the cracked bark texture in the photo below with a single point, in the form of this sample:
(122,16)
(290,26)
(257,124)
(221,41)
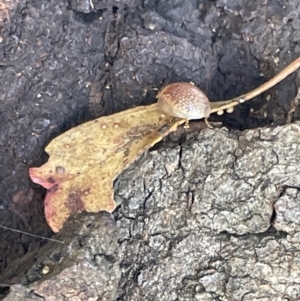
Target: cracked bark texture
(85,267)
(208,215)
(215,218)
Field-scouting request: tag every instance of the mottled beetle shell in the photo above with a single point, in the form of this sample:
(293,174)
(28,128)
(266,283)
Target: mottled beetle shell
(184,100)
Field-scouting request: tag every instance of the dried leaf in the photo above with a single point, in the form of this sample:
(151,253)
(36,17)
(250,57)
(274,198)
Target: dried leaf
(85,160)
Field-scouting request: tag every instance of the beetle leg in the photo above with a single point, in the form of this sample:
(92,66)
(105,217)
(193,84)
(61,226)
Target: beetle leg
(208,124)
(186,125)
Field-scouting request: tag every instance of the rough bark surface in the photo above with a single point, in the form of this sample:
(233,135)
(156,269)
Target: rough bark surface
(207,215)
(85,267)
(215,218)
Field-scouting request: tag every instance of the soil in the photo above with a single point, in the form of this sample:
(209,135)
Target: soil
(63,63)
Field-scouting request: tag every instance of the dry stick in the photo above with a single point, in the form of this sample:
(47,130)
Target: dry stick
(226,104)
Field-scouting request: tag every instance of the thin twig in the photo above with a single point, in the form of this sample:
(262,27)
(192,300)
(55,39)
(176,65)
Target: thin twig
(226,104)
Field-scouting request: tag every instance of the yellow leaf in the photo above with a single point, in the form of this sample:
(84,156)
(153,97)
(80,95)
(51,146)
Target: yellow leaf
(85,160)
